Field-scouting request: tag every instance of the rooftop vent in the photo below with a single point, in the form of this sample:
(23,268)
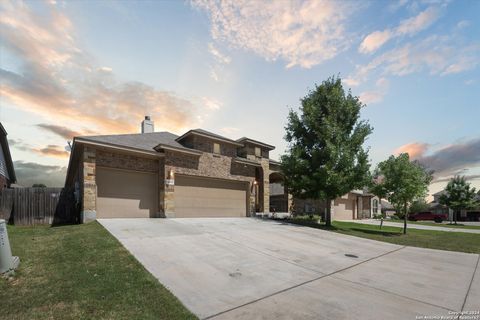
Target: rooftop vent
(147,125)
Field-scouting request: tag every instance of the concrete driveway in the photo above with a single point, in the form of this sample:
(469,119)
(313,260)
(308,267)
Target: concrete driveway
(247,268)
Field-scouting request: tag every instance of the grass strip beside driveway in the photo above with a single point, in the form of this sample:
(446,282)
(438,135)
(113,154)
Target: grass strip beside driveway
(81,272)
(451,241)
(459,225)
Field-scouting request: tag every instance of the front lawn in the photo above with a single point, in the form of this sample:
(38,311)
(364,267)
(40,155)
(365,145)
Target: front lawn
(452,241)
(459,225)
(81,272)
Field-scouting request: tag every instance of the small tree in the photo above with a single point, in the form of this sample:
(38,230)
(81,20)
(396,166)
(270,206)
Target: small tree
(325,157)
(458,195)
(403,182)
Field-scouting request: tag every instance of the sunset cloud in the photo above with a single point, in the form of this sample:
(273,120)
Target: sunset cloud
(29,173)
(436,55)
(54,151)
(302,33)
(414,149)
(58,80)
(410,26)
(447,161)
(63,132)
(375,96)
(51,150)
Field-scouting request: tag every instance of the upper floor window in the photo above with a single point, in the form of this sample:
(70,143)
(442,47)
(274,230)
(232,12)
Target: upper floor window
(258,152)
(216,148)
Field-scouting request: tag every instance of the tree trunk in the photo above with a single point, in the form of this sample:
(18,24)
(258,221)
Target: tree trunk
(405,219)
(455,216)
(328,215)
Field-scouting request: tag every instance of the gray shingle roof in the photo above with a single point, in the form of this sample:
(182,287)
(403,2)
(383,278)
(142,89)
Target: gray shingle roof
(245,139)
(207,133)
(141,141)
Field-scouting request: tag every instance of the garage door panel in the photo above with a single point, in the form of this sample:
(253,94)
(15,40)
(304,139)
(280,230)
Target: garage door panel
(200,197)
(126,194)
(344,209)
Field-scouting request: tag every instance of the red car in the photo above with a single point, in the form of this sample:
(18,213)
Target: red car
(427,216)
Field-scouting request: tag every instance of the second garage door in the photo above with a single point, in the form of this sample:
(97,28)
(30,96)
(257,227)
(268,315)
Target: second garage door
(126,194)
(201,197)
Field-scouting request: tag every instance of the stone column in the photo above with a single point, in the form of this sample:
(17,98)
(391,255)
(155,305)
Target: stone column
(161,188)
(266,185)
(251,199)
(168,198)
(89,205)
(289,202)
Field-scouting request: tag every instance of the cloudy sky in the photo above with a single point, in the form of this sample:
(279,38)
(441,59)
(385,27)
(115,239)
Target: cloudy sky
(236,67)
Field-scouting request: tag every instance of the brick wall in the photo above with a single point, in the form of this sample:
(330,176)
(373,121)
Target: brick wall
(249,152)
(206,145)
(124,161)
(208,165)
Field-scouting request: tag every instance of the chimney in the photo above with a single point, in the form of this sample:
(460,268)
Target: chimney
(147,125)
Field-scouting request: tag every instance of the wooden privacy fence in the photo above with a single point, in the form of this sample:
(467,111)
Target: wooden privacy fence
(30,206)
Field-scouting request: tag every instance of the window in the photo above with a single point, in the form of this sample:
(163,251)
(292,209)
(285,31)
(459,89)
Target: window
(216,148)
(308,208)
(375,206)
(258,152)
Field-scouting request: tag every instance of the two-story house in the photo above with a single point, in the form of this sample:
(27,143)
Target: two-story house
(160,174)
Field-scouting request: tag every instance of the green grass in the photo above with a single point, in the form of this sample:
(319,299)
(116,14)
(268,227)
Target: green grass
(459,225)
(81,272)
(452,241)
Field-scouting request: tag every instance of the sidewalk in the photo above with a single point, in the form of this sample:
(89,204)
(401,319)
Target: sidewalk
(413,226)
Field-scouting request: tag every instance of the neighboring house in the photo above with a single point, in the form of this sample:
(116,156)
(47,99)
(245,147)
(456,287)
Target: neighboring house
(357,204)
(387,208)
(464,215)
(354,205)
(7,171)
(160,174)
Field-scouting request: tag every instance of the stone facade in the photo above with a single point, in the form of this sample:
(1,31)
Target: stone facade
(89,186)
(266,184)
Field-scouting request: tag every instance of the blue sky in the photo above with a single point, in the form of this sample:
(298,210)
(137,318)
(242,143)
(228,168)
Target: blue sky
(235,67)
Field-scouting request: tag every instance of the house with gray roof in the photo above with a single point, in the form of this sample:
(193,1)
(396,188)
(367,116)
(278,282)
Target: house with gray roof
(160,174)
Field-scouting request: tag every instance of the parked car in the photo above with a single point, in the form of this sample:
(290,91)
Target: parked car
(427,215)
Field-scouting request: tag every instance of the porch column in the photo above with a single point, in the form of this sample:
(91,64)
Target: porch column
(266,185)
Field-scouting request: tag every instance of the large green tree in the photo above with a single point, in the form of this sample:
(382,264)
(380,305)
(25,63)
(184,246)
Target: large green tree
(325,157)
(458,195)
(403,181)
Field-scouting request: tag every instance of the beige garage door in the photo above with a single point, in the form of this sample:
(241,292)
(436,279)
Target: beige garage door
(344,209)
(200,197)
(126,194)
